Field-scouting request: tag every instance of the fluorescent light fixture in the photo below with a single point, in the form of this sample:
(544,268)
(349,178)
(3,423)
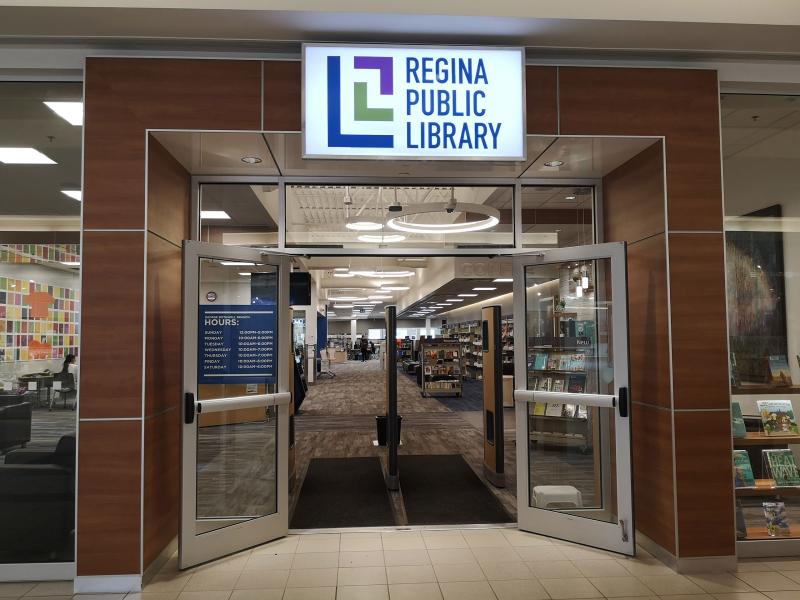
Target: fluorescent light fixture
(214,214)
(503,280)
(344,275)
(553,163)
(455,299)
(384,274)
(569,198)
(74,194)
(71,112)
(236,263)
(394,288)
(245,274)
(381,297)
(347,298)
(484,289)
(24,156)
(467,295)
(342,306)
(68,263)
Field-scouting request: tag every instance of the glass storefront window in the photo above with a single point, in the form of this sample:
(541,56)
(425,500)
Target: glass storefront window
(760,135)
(238,214)
(39,319)
(557,216)
(392,216)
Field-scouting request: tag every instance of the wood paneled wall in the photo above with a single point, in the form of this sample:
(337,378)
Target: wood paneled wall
(131,262)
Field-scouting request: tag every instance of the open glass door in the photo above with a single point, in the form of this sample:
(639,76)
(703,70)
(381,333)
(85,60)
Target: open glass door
(235,441)
(572,405)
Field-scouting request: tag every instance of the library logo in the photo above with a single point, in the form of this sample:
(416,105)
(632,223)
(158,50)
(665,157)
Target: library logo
(361,110)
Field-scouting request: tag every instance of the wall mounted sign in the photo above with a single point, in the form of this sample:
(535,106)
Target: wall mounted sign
(237,344)
(413,102)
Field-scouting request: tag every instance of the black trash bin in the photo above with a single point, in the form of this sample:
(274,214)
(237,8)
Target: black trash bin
(380,422)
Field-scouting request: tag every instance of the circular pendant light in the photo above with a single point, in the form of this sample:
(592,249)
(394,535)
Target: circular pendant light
(378,238)
(362,224)
(398,222)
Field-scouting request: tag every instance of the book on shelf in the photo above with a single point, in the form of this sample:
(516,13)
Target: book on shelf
(737,420)
(782,467)
(570,410)
(558,384)
(565,362)
(581,412)
(779,373)
(577,362)
(546,384)
(540,361)
(576,384)
(539,408)
(742,470)
(554,410)
(428,370)
(533,382)
(553,360)
(775,519)
(777,416)
(584,329)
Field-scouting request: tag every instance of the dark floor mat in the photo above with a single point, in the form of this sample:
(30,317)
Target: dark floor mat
(444,490)
(343,492)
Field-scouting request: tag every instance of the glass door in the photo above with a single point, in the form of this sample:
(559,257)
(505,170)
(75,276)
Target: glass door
(572,405)
(235,439)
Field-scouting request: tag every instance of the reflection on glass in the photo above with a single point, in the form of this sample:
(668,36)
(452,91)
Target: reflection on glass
(236,449)
(557,216)
(568,341)
(237,214)
(413,216)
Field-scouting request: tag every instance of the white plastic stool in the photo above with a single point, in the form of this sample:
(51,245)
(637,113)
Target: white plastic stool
(557,496)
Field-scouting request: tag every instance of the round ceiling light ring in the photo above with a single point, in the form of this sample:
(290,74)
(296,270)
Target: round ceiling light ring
(492,218)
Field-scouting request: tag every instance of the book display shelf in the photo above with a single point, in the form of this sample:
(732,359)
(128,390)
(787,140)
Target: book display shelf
(470,340)
(766,475)
(507,332)
(441,367)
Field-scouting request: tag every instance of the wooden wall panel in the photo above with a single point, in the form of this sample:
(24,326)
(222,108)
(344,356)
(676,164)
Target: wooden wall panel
(633,197)
(168,195)
(649,322)
(705,485)
(163,352)
(111,324)
(680,104)
(162,446)
(541,94)
(124,96)
(699,327)
(109,498)
(282,95)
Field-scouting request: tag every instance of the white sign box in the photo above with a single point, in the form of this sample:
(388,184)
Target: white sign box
(413,102)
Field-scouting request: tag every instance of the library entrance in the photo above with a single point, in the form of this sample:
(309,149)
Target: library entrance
(387,428)
(415,349)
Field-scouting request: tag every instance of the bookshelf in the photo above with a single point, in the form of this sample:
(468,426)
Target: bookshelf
(759,438)
(441,367)
(507,332)
(767,487)
(470,341)
(405,350)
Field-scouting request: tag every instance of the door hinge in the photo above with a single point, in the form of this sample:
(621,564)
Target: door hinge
(624,527)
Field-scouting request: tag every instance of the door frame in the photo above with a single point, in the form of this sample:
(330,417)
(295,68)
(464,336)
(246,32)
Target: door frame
(197,548)
(617,537)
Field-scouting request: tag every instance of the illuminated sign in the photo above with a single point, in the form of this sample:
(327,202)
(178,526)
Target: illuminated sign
(413,102)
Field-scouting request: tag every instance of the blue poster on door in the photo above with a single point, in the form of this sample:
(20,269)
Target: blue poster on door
(237,344)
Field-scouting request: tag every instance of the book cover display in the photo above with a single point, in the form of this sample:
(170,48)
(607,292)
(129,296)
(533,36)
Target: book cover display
(737,421)
(775,519)
(777,416)
(779,373)
(742,470)
(782,467)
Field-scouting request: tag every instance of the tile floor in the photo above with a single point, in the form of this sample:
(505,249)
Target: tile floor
(457,564)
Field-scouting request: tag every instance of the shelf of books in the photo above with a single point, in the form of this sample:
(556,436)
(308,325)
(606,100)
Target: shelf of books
(559,364)
(507,336)
(441,367)
(470,340)
(766,476)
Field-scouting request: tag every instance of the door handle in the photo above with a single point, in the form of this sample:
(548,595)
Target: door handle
(188,408)
(622,402)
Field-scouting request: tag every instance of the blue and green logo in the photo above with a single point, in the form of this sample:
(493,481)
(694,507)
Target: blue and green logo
(361,109)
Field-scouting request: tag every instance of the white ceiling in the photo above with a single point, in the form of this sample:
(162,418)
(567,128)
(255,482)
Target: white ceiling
(760,125)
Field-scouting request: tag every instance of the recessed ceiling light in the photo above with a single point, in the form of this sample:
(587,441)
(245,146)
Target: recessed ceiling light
(245,274)
(74,194)
(467,295)
(553,163)
(503,280)
(251,160)
(71,112)
(394,288)
(213,214)
(570,198)
(380,297)
(344,275)
(24,156)
(342,306)
(455,299)
(484,289)
(69,263)
(444,304)
(236,263)
(347,298)
(341,269)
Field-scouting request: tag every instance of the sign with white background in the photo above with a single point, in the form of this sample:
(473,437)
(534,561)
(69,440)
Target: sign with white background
(413,102)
